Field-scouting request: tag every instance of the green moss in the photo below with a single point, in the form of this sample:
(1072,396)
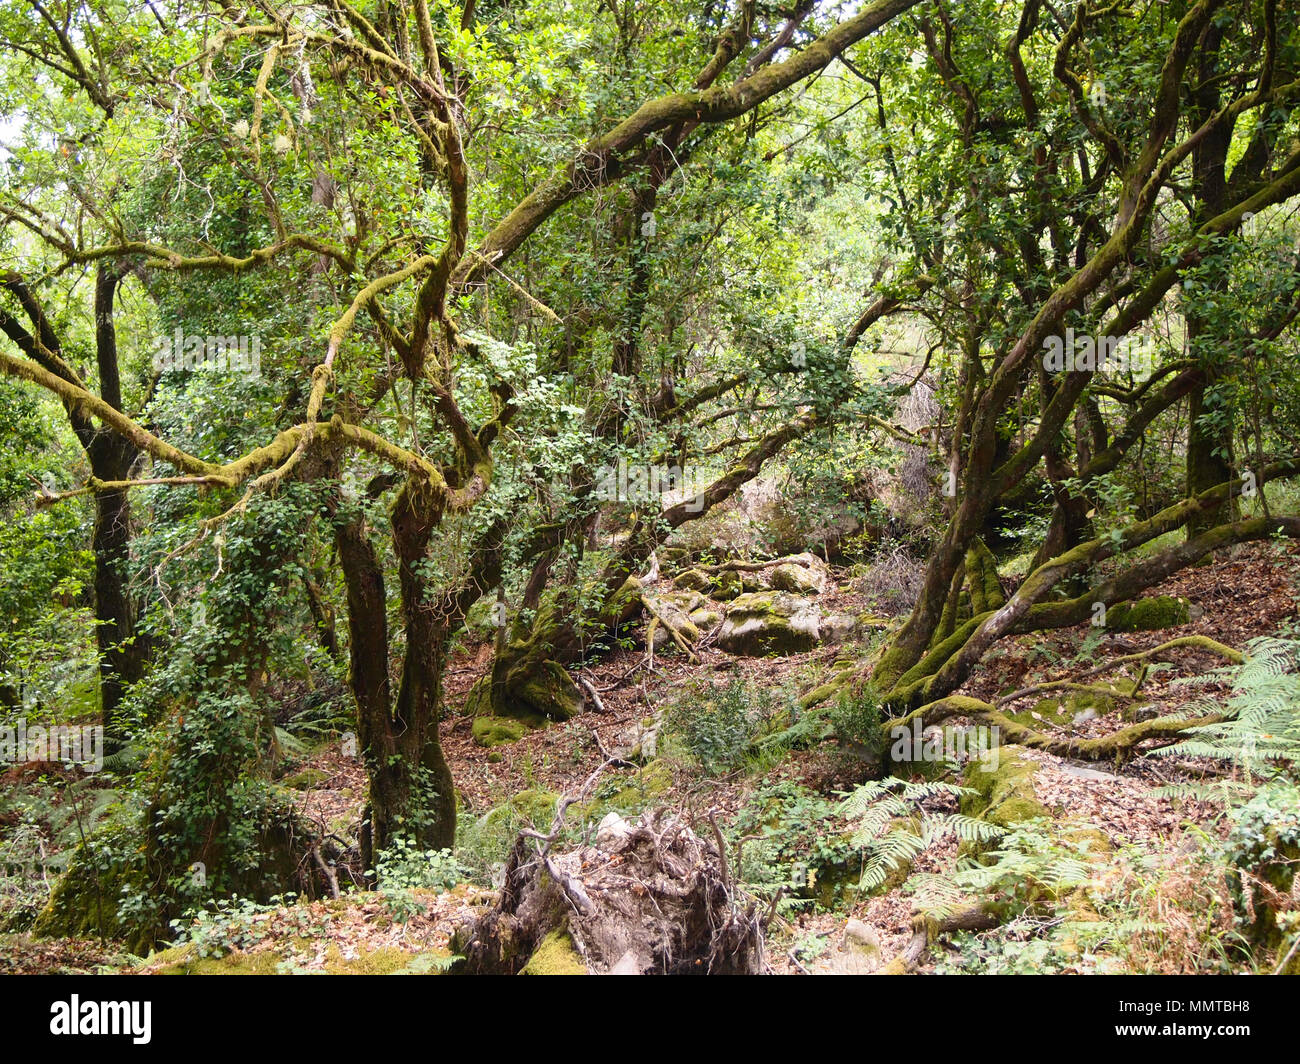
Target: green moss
(185,960)
(497,731)
(643,788)
(534,805)
(549,692)
(555,955)
(727,585)
(1004,793)
(387,960)
(1159,611)
(101,871)
(306,780)
(769,622)
(693,580)
(1062,710)
(827,690)
(478,701)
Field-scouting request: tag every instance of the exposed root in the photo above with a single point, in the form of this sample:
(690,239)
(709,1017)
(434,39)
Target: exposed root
(675,630)
(925,932)
(649,897)
(1201,642)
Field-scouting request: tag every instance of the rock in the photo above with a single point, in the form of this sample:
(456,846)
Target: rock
(1084,772)
(628,964)
(639,742)
(1089,713)
(1003,793)
(859,952)
(706,619)
(677,606)
(549,692)
(1145,614)
(693,580)
(861,936)
(1145,713)
(837,628)
(770,622)
(612,832)
(728,585)
(802,581)
(673,559)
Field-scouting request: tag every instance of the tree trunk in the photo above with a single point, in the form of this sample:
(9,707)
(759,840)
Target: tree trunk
(122,654)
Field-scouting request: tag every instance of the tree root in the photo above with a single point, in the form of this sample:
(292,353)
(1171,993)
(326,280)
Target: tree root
(674,630)
(1011,732)
(1201,642)
(926,931)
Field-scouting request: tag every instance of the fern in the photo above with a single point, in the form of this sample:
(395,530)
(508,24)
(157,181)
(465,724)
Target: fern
(878,804)
(1027,864)
(1261,736)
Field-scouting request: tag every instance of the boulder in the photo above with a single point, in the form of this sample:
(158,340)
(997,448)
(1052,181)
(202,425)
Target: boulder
(1147,614)
(497,731)
(837,628)
(693,580)
(728,585)
(770,622)
(800,576)
(706,619)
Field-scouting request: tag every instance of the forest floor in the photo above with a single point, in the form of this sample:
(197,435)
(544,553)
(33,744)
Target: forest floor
(1245,593)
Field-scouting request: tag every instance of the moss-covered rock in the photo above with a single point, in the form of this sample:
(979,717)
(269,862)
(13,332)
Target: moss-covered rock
(550,692)
(837,628)
(727,585)
(306,780)
(555,955)
(1004,788)
(770,622)
(693,580)
(1146,614)
(497,731)
(672,559)
(799,579)
(107,867)
(706,619)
